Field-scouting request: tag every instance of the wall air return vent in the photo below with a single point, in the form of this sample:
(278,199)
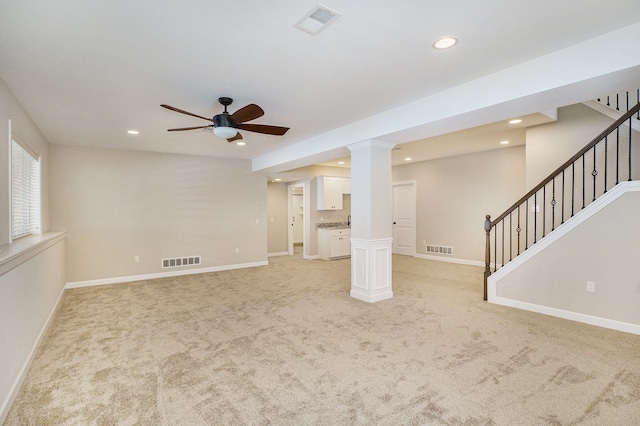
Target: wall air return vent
(317,20)
(177,262)
(430,248)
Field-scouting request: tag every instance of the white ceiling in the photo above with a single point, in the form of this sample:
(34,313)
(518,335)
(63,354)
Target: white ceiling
(502,134)
(88,71)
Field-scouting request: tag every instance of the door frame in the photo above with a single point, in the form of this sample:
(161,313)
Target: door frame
(414,185)
(306,220)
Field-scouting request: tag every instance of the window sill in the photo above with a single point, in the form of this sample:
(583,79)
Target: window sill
(15,254)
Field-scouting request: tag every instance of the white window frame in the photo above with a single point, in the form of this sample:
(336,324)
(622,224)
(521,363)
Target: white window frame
(34,192)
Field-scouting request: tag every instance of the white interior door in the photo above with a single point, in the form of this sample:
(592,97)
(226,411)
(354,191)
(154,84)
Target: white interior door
(404,218)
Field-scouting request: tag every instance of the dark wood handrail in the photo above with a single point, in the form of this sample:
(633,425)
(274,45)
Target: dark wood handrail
(559,170)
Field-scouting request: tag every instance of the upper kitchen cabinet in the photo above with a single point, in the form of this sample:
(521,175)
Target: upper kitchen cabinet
(346,186)
(330,190)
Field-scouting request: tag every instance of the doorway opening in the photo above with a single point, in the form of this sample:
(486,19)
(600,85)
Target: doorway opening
(298,229)
(297,215)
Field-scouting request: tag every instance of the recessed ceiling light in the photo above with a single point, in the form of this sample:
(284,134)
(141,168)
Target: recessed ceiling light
(340,162)
(133,132)
(278,179)
(407,159)
(515,121)
(241,143)
(445,42)
(504,142)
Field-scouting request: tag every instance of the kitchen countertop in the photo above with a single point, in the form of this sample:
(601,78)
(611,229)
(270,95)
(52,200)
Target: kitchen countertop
(333,225)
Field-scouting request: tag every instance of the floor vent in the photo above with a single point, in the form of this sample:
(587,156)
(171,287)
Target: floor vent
(439,249)
(180,261)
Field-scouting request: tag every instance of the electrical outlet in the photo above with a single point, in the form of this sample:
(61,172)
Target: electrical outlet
(136,259)
(237,250)
(424,242)
(591,286)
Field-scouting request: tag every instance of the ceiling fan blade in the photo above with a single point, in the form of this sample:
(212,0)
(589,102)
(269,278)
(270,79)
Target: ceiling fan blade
(237,137)
(247,113)
(263,128)
(184,112)
(189,128)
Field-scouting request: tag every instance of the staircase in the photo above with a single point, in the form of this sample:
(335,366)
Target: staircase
(610,158)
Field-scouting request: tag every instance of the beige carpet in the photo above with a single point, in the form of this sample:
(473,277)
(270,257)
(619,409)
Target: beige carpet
(284,344)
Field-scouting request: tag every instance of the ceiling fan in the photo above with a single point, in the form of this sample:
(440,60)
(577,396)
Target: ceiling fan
(226,125)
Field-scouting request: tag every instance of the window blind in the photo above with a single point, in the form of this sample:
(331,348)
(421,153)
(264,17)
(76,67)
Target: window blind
(25,191)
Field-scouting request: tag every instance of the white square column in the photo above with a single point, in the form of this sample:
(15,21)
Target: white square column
(371,224)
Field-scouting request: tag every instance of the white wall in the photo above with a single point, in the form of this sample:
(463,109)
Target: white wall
(29,295)
(116,205)
(454,195)
(277,224)
(602,249)
(550,145)
(29,292)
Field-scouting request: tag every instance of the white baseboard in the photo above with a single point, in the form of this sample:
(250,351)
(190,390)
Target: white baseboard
(451,260)
(280,253)
(568,315)
(118,280)
(311,257)
(369,298)
(15,388)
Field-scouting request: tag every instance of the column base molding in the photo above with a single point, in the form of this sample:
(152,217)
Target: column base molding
(371,269)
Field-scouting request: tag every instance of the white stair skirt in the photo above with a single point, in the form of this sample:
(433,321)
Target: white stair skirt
(371,269)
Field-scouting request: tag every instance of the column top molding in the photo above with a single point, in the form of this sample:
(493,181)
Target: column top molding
(371,143)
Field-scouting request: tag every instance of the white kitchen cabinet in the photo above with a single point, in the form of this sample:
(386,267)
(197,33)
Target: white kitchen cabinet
(330,190)
(329,193)
(334,243)
(346,186)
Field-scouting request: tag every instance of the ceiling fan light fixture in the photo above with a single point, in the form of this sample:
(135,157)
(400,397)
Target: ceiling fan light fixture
(225,132)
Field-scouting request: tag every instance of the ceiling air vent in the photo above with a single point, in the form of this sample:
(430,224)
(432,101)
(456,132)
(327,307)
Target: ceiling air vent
(317,20)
